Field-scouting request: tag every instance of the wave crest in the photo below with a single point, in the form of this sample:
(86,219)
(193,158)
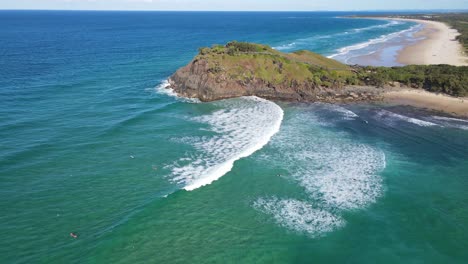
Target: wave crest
(240,128)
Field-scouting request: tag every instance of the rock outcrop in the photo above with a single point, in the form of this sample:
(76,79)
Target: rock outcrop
(231,71)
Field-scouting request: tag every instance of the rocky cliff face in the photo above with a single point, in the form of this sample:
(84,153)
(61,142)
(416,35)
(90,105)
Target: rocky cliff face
(217,73)
(196,80)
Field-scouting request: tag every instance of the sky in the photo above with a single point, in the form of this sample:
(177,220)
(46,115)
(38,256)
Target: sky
(234,5)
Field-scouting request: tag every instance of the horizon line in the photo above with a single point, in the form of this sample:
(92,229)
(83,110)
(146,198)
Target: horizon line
(279,11)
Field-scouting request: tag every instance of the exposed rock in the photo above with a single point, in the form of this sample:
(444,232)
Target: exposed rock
(220,73)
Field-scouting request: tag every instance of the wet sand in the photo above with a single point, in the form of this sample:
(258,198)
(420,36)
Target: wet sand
(423,99)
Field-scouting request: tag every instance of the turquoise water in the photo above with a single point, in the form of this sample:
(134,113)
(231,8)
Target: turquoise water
(91,143)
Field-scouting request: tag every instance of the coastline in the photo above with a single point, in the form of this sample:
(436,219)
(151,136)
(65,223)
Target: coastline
(438,45)
(454,106)
(457,106)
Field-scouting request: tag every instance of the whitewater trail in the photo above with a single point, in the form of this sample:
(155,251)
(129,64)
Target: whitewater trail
(450,122)
(392,119)
(381,39)
(303,41)
(239,129)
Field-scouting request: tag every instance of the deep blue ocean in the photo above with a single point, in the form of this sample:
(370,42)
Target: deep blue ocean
(92,144)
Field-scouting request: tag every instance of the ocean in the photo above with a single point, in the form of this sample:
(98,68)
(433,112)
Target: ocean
(92,143)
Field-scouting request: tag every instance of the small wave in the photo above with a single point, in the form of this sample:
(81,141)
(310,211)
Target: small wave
(451,122)
(347,114)
(381,39)
(299,216)
(390,24)
(392,117)
(450,119)
(286,46)
(301,41)
(241,128)
(163,88)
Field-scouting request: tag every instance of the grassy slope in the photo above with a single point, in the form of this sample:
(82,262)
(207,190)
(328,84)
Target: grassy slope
(243,62)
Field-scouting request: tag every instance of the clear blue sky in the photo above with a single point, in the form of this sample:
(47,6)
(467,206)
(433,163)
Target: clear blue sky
(265,5)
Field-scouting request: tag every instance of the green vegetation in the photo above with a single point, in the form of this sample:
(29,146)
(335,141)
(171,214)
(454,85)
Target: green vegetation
(245,62)
(458,22)
(248,62)
(452,80)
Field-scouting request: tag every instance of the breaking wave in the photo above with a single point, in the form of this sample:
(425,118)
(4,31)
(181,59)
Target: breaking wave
(240,128)
(163,88)
(391,118)
(451,122)
(346,113)
(381,39)
(390,24)
(311,39)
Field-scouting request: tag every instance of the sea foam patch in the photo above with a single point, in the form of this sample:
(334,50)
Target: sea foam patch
(299,216)
(334,170)
(343,176)
(240,128)
(337,173)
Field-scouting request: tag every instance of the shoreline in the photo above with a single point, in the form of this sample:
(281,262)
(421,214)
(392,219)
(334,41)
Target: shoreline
(456,106)
(419,98)
(437,45)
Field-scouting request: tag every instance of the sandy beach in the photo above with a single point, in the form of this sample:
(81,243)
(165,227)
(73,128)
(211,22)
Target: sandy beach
(423,99)
(438,46)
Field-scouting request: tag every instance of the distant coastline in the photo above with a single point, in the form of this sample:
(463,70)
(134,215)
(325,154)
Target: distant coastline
(436,44)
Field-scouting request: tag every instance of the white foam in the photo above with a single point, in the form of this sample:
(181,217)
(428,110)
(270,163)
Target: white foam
(286,46)
(299,216)
(242,127)
(450,119)
(381,39)
(163,88)
(343,176)
(391,117)
(346,113)
(391,23)
(337,173)
(311,39)
(451,122)
(332,168)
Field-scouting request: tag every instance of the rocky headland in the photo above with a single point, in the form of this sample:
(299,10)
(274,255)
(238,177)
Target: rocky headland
(247,69)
